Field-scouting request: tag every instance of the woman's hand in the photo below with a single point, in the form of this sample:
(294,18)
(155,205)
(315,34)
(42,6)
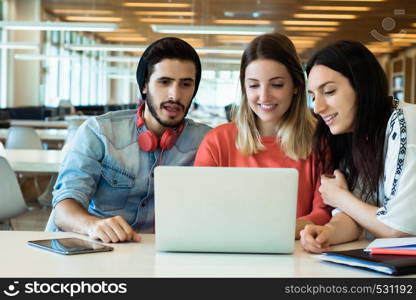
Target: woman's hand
(332,187)
(315,238)
(300,225)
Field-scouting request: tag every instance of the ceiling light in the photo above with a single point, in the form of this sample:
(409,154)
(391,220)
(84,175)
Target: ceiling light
(165,13)
(402,43)
(141,48)
(219,51)
(83,11)
(125,38)
(320,34)
(303,38)
(106,47)
(325,16)
(40,57)
(231,37)
(58,26)
(310,23)
(233,30)
(124,30)
(336,8)
(354,0)
(120,59)
(403,35)
(406,40)
(308,35)
(242,22)
(235,41)
(93,19)
(167,20)
(303,43)
(170,5)
(135,59)
(298,28)
(19,46)
(377,49)
(214,60)
(119,33)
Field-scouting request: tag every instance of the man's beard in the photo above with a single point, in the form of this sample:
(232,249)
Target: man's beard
(153,111)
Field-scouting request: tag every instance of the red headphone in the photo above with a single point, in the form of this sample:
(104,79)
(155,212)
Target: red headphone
(147,140)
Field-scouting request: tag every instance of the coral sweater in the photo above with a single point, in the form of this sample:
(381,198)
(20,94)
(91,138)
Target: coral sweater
(218,149)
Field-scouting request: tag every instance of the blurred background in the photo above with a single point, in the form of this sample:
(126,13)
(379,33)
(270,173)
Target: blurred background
(83,54)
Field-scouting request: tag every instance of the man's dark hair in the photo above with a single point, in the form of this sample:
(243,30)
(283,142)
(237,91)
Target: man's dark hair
(171,48)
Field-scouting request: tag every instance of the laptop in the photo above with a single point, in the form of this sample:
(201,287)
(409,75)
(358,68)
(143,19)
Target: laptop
(217,209)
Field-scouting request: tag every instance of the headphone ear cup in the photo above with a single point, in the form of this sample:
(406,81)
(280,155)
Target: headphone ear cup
(147,141)
(168,139)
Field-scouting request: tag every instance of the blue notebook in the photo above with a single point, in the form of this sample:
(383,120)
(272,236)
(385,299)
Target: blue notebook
(384,263)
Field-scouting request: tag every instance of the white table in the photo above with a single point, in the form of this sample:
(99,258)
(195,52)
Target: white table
(39,123)
(141,260)
(46,135)
(34,161)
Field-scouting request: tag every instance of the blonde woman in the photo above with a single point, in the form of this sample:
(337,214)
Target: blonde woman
(273,126)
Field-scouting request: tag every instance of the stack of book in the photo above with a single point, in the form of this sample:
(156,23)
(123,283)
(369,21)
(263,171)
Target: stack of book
(393,256)
(399,246)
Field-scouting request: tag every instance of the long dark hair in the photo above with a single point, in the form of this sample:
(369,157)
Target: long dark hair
(358,154)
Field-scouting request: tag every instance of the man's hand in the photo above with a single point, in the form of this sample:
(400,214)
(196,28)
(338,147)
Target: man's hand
(112,230)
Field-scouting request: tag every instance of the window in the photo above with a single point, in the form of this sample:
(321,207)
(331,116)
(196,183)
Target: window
(397,79)
(51,76)
(93,80)
(218,88)
(76,78)
(85,80)
(102,88)
(64,74)
(3,91)
(398,86)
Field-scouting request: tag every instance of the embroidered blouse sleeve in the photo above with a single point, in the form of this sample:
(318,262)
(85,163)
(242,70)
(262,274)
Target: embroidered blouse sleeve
(399,204)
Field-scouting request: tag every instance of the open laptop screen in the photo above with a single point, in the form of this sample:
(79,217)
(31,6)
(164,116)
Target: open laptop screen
(215,209)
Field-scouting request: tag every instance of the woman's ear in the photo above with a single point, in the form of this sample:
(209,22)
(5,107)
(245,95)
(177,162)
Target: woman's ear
(144,91)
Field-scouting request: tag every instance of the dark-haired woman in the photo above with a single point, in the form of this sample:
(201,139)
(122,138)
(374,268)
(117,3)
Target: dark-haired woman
(371,172)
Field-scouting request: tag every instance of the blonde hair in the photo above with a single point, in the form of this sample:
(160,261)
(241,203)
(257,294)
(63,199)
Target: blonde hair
(295,130)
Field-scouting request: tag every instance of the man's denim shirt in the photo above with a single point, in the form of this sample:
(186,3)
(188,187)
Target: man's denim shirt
(108,174)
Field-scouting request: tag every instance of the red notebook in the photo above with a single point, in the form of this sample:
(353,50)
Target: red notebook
(395,251)
(394,246)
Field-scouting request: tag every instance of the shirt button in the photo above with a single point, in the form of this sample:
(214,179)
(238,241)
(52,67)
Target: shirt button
(143,204)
